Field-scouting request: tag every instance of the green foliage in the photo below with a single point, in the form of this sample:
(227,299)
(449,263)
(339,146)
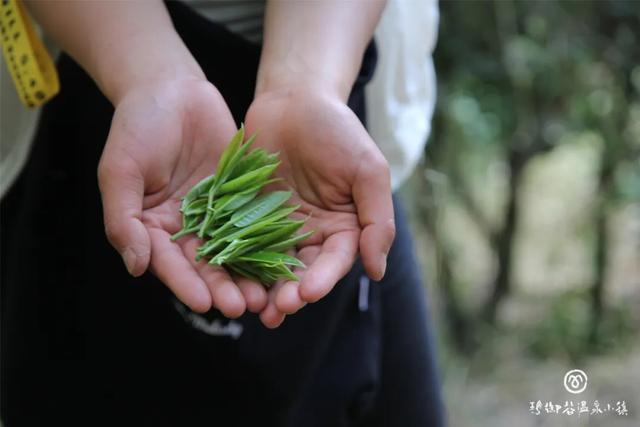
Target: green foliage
(515,80)
(563,332)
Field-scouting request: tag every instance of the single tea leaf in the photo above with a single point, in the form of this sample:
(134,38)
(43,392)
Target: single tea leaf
(272,259)
(259,208)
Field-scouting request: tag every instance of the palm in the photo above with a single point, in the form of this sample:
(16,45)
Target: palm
(325,153)
(162,142)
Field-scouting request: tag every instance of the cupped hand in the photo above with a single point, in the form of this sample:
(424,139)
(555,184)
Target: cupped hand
(341,180)
(166,136)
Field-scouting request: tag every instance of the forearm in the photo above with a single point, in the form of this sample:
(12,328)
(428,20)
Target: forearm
(317,44)
(121,44)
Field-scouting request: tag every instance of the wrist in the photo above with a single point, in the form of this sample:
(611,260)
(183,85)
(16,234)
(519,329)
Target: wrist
(293,96)
(298,79)
(144,61)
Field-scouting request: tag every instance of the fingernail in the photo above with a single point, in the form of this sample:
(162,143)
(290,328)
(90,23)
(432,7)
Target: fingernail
(383,265)
(129,257)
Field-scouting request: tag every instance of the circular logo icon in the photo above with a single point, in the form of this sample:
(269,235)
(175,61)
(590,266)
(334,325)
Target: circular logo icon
(575,381)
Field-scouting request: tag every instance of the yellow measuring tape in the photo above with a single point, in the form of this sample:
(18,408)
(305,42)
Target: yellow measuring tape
(29,63)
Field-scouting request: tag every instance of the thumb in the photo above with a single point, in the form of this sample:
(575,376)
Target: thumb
(372,196)
(122,189)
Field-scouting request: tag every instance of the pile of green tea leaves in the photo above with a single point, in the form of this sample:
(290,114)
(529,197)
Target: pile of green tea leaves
(243,229)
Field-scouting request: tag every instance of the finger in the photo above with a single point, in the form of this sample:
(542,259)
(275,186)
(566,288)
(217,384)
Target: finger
(168,262)
(225,294)
(271,317)
(288,299)
(122,191)
(254,293)
(332,263)
(372,195)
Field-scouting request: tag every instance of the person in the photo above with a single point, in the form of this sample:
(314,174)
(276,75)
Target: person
(83,339)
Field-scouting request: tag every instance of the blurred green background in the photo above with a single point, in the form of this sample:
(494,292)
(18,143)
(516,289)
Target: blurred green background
(527,208)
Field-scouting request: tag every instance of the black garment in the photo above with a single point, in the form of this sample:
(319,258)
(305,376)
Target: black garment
(83,343)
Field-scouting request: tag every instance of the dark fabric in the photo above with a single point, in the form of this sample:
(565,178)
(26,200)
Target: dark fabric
(85,344)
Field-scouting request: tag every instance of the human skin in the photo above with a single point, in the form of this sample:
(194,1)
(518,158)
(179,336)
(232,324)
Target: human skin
(170,126)
(338,175)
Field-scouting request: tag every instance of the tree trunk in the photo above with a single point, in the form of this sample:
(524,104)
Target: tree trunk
(601,247)
(505,239)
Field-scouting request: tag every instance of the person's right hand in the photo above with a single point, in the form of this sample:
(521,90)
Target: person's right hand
(166,136)
(168,131)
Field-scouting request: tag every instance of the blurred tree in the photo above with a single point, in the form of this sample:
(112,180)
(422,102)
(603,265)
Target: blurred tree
(514,78)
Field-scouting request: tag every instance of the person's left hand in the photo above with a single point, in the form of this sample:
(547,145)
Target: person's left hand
(341,180)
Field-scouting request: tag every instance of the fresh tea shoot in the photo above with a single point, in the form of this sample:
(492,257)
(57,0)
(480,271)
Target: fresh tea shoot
(242,228)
